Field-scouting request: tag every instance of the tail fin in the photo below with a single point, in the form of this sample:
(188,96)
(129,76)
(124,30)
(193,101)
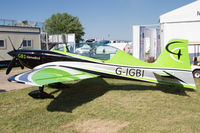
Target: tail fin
(175,55)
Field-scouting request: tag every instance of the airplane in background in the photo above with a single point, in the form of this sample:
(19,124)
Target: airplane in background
(172,66)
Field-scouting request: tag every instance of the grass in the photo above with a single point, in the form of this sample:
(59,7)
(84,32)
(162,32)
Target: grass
(102,105)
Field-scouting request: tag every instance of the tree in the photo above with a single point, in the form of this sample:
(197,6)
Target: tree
(25,22)
(64,24)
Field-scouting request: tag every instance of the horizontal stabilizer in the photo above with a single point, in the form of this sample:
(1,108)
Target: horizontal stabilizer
(169,75)
(162,74)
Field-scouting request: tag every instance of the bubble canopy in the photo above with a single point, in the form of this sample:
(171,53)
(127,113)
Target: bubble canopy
(90,49)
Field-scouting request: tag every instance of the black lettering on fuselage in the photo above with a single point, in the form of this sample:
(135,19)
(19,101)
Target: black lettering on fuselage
(118,71)
(129,71)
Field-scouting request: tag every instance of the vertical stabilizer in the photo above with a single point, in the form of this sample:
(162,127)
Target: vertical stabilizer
(175,55)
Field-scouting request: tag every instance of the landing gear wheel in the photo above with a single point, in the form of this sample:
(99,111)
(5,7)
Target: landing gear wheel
(196,74)
(40,94)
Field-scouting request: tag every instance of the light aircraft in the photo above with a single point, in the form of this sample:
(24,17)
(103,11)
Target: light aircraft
(172,66)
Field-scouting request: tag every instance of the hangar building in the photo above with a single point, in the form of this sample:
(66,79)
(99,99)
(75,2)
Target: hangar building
(183,22)
(28,35)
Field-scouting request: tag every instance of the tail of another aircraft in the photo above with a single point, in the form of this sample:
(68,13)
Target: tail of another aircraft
(174,55)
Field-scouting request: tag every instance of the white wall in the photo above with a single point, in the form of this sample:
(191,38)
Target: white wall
(188,30)
(136,41)
(189,12)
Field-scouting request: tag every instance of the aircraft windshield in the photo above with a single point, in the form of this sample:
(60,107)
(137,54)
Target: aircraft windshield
(59,48)
(93,50)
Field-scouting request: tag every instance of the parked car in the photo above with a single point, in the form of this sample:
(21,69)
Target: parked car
(195,71)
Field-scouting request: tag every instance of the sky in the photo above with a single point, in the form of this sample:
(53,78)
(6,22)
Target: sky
(101,19)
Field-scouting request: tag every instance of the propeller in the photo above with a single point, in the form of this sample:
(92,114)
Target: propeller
(12,63)
(20,63)
(12,44)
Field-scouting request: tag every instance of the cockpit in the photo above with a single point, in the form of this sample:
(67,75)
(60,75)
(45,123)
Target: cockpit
(90,49)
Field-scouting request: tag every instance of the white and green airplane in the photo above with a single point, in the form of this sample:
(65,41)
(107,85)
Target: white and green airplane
(172,67)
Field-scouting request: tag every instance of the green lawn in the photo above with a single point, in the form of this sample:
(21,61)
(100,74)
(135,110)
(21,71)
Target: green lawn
(102,105)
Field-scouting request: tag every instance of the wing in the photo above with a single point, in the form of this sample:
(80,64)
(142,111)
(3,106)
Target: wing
(50,74)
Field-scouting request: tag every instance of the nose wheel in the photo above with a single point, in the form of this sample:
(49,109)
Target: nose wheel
(40,94)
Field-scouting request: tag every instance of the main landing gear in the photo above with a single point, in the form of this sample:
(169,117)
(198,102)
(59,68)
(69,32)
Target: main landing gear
(40,94)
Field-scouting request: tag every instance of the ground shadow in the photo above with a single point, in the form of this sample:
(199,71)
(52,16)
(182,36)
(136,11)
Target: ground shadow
(74,95)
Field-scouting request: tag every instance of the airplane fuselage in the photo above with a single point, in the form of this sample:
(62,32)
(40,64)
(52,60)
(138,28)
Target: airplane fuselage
(32,58)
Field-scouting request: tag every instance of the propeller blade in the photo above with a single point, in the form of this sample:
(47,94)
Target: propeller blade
(21,44)
(10,65)
(11,43)
(21,65)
